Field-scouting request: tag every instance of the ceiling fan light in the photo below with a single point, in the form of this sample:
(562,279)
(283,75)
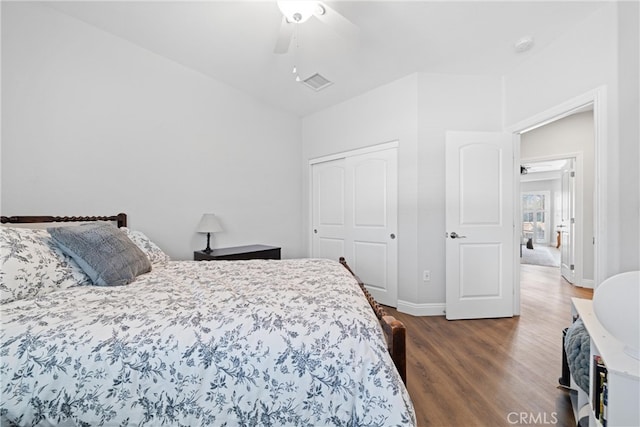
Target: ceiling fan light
(298,11)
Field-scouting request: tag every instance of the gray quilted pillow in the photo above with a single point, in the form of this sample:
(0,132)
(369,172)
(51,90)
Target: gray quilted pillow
(103,252)
(577,344)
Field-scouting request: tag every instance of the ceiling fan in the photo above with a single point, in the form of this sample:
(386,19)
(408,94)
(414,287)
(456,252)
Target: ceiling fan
(298,11)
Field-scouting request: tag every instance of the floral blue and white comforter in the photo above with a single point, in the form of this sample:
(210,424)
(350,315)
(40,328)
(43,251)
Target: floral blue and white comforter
(270,343)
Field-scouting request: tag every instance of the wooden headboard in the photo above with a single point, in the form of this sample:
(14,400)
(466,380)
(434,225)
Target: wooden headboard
(120,219)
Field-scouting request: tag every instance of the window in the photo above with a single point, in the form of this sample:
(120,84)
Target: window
(535,214)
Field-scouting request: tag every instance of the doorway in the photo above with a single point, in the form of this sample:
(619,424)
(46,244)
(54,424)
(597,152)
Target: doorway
(592,104)
(565,145)
(548,209)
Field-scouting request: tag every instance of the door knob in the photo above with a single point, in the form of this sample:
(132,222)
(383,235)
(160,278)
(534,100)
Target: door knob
(393,236)
(455,235)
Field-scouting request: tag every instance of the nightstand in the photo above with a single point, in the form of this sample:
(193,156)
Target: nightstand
(239,253)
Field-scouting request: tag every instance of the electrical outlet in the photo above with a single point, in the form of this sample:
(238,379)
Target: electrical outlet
(426,275)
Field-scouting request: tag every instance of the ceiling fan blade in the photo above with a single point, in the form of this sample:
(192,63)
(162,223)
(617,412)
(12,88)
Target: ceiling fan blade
(338,22)
(284,36)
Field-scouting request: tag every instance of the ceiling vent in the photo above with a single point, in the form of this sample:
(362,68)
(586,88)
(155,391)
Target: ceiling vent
(317,82)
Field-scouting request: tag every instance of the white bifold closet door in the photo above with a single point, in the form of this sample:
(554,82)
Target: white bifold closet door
(355,215)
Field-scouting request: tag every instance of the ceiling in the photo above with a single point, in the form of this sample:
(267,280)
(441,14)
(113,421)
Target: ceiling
(233,41)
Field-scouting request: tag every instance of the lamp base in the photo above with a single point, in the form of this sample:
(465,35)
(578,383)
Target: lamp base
(208,249)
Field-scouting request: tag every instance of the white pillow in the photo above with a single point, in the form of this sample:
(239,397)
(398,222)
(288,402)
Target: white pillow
(153,251)
(31,265)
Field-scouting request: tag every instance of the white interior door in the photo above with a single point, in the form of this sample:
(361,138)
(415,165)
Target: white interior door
(355,215)
(372,187)
(328,209)
(479,225)
(567,223)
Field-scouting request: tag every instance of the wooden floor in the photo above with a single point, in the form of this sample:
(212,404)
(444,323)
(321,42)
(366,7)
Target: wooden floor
(478,372)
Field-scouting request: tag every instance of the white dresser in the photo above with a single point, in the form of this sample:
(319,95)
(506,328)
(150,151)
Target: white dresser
(623,403)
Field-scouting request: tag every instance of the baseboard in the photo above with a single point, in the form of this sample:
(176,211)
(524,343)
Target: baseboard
(588,283)
(414,309)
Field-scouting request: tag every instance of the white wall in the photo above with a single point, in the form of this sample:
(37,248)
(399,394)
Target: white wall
(417,111)
(584,59)
(445,102)
(564,138)
(629,122)
(587,57)
(93,125)
(385,114)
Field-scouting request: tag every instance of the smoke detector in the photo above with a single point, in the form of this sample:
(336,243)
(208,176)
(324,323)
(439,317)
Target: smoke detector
(317,82)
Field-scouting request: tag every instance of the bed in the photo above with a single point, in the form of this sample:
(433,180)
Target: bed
(260,342)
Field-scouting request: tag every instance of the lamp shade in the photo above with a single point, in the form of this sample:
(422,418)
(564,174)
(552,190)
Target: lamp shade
(209,224)
(298,10)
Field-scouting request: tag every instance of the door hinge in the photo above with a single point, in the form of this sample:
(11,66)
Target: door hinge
(572,267)
(573,221)
(573,174)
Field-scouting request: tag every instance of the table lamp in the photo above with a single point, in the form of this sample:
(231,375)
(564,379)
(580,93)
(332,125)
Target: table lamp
(209,224)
